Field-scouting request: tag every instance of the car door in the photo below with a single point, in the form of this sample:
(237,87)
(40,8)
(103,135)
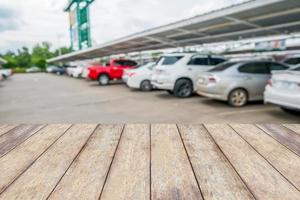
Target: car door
(117,69)
(255,76)
(197,65)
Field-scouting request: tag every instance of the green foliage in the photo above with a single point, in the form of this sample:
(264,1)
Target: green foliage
(19,70)
(24,58)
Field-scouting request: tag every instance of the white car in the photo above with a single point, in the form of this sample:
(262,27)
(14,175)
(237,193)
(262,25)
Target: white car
(178,72)
(50,69)
(33,70)
(70,70)
(5,73)
(140,78)
(283,89)
(77,71)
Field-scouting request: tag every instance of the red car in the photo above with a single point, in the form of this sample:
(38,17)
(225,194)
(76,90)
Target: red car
(113,70)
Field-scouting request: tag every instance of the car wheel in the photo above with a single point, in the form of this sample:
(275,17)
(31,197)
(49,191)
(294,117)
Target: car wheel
(238,98)
(287,110)
(183,88)
(103,79)
(146,86)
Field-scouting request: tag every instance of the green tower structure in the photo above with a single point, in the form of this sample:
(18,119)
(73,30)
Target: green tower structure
(79,23)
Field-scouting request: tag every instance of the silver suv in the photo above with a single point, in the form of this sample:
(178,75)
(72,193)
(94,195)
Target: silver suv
(237,82)
(177,73)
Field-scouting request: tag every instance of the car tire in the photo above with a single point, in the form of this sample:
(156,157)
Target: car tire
(146,86)
(183,88)
(238,98)
(287,110)
(103,80)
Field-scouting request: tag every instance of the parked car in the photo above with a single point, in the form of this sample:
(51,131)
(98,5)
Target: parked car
(140,78)
(33,69)
(85,72)
(5,73)
(50,69)
(70,70)
(77,71)
(178,72)
(59,70)
(292,60)
(283,89)
(112,71)
(237,82)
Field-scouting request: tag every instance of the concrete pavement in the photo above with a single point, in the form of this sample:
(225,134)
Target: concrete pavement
(47,98)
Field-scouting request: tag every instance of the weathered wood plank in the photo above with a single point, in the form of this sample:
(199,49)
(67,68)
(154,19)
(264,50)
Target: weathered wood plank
(260,177)
(285,161)
(293,127)
(41,178)
(19,159)
(285,136)
(129,176)
(171,173)
(16,136)
(216,177)
(86,177)
(5,128)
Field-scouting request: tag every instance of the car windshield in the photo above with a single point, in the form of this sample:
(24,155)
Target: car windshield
(170,60)
(222,67)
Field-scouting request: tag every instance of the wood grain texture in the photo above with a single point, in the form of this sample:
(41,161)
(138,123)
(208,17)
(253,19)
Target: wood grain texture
(285,161)
(293,127)
(172,175)
(86,177)
(5,128)
(260,177)
(129,176)
(40,179)
(16,136)
(216,177)
(285,136)
(19,159)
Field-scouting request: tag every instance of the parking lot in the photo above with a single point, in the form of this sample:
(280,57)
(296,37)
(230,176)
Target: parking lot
(47,98)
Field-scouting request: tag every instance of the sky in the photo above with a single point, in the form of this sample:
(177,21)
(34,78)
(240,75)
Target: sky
(27,22)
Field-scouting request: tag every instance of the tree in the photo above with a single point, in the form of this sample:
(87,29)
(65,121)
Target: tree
(23,57)
(37,57)
(40,53)
(10,58)
(62,51)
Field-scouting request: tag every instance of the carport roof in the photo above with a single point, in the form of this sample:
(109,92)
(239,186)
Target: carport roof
(256,18)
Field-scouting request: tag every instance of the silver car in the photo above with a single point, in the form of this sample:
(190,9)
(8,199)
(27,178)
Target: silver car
(237,82)
(283,89)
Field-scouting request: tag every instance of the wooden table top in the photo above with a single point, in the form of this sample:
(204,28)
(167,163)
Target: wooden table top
(142,161)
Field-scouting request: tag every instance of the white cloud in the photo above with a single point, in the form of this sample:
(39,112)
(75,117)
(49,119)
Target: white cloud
(44,20)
